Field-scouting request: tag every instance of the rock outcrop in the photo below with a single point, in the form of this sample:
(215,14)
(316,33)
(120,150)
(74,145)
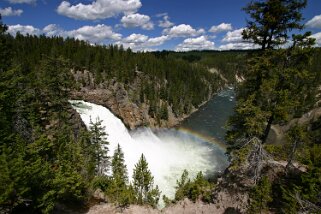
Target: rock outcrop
(186,206)
(122,100)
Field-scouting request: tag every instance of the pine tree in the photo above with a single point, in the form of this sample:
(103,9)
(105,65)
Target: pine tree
(100,146)
(119,190)
(182,186)
(277,81)
(118,166)
(261,196)
(271,20)
(143,183)
(5,48)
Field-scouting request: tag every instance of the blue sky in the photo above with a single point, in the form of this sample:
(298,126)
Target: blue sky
(142,24)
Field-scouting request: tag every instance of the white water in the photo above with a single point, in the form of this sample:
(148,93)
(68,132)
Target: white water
(168,152)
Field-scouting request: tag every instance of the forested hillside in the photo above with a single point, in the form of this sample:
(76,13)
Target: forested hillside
(226,63)
(281,92)
(165,80)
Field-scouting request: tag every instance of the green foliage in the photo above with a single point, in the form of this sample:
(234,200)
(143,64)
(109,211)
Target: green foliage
(227,63)
(240,156)
(275,91)
(5,48)
(184,83)
(164,112)
(38,176)
(116,187)
(99,145)
(304,186)
(280,85)
(153,196)
(143,184)
(248,121)
(119,168)
(199,188)
(182,186)
(43,161)
(296,137)
(119,191)
(260,196)
(278,151)
(271,20)
(102,182)
(167,201)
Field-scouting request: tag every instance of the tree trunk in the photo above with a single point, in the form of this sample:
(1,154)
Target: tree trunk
(263,45)
(267,129)
(269,41)
(291,157)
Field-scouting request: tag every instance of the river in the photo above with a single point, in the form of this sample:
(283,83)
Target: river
(210,119)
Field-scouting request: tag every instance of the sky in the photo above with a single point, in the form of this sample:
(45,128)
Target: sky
(143,25)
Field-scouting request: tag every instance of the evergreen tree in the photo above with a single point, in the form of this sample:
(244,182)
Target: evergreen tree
(100,146)
(182,186)
(118,167)
(118,189)
(261,195)
(199,188)
(143,183)
(5,48)
(277,82)
(271,20)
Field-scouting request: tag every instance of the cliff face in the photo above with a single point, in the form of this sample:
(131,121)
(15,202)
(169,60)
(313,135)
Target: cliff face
(116,99)
(123,101)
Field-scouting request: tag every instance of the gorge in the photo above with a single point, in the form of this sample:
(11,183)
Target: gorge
(196,145)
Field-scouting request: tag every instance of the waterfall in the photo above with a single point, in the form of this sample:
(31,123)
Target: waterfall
(168,151)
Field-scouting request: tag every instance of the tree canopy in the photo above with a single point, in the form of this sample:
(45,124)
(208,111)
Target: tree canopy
(281,85)
(271,21)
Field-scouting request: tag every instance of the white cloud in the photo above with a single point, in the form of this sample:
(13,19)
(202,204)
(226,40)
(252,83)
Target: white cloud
(139,42)
(233,36)
(23,29)
(238,46)
(220,28)
(183,30)
(22,1)
(98,9)
(165,23)
(317,37)
(315,22)
(234,40)
(93,34)
(136,38)
(10,12)
(157,41)
(199,43)
(137,20)
(53,30)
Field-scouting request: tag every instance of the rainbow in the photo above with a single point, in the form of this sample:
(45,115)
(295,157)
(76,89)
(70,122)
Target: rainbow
(203,137)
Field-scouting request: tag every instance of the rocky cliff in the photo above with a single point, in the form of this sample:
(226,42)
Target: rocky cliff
(123,100)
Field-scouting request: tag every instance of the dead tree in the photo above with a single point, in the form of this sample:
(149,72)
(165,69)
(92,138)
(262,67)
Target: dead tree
(257,158)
